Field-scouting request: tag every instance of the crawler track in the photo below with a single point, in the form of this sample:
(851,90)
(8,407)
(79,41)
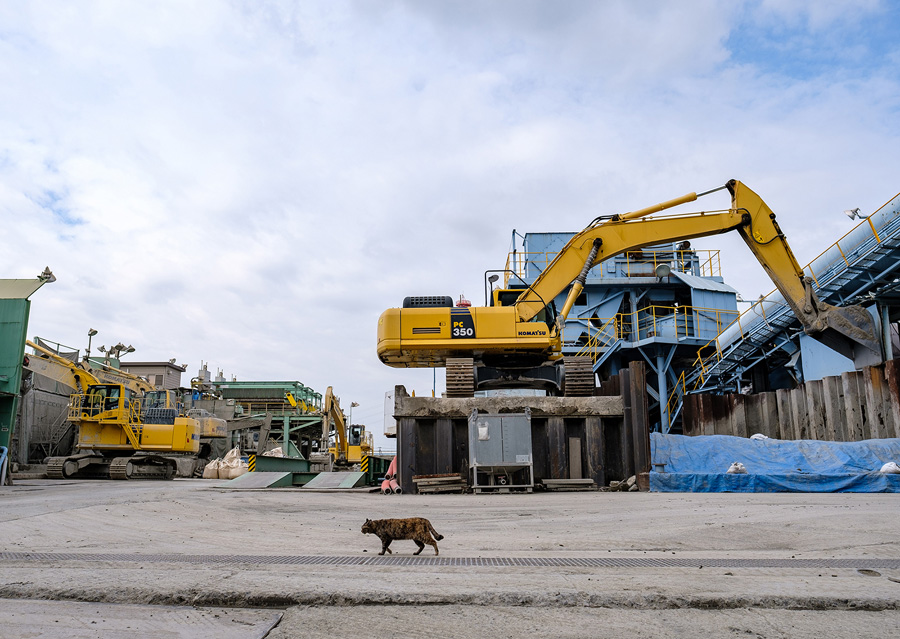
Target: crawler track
(460,377)
(579,377)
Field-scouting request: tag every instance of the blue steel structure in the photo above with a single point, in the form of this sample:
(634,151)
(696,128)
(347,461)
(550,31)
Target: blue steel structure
(863,267)
(659,304)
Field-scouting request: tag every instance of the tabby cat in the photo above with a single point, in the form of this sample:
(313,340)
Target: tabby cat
(418,529)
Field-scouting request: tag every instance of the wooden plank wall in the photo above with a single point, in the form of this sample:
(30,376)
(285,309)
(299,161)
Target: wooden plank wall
(852,407)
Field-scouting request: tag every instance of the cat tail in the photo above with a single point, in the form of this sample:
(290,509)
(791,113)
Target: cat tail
(438,536)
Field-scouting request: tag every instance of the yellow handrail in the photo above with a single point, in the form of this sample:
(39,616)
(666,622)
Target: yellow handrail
(637,263)
(652,320)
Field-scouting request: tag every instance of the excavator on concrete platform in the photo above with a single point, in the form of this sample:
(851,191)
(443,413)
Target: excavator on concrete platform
(516,342)
(125,429)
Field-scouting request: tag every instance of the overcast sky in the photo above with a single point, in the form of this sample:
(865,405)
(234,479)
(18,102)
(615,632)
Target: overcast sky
(250,184)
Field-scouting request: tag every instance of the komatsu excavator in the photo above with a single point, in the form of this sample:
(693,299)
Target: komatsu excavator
(124,427)
(517,341)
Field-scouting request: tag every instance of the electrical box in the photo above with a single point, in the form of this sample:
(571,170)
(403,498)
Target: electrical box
(500,451)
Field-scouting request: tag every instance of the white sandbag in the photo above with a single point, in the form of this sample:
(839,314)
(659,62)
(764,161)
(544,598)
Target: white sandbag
(211,470)
(275,452)
(232,457)
(737,468)
(891,468)
(230,472)
(759,436)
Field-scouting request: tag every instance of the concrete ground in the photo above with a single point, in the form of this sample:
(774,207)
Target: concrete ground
(577,564)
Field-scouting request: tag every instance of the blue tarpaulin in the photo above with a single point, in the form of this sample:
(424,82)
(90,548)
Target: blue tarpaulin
(698,464)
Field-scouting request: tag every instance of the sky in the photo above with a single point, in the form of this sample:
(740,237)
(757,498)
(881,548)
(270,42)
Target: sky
(249,184)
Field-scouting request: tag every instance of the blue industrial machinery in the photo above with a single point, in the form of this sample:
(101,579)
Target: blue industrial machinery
(863,267)
(659,304)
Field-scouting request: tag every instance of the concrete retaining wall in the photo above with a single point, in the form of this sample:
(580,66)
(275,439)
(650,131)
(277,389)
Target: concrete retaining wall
(609,434)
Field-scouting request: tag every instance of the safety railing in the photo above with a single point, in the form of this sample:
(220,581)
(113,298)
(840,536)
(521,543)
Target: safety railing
(274,406)
(636,263)
(125,412)
(600,340)
(670,322)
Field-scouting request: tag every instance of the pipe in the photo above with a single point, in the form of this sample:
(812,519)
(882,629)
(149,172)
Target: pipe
(392,469)
(886,332)
(3,460)
(656,208)
(386,487)
(396,487)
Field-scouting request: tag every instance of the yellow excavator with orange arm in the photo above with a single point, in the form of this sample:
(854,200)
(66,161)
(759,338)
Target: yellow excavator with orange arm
(516,342)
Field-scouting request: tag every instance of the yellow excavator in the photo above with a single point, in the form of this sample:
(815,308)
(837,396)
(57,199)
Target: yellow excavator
(350,444)
(517,341)
(124,427)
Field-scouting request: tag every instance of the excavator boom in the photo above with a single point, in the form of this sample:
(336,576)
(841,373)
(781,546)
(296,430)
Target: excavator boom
(849,330)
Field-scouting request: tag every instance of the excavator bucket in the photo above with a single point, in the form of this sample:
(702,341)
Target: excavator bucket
(852,332)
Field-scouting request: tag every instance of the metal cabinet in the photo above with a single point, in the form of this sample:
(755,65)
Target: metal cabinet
(499,450)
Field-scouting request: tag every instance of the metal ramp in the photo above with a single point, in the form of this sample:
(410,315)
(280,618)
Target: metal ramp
(255,481)
(344,479)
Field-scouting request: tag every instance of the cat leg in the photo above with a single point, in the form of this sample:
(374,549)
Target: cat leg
(420,545)
(432,542)
(384,546)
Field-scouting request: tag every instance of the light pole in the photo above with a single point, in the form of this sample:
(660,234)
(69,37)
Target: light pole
(91,333)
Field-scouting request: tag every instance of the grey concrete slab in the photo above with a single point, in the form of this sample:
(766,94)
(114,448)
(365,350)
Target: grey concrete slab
(82,620)
(342,479)
(518,622)
(251,481)
(211,534)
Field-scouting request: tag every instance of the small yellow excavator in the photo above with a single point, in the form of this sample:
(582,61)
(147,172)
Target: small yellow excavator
(350,443)
(516,342)
(124,427)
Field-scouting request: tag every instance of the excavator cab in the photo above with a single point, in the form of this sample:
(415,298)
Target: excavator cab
(101,398)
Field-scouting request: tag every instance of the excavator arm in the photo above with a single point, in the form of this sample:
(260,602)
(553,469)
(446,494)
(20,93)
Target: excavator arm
(849,330)
(333,413)
(59,369)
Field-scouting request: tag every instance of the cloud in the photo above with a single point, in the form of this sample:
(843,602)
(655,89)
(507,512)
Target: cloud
(251,184)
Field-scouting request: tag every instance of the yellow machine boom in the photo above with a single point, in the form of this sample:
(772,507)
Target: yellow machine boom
(515,336)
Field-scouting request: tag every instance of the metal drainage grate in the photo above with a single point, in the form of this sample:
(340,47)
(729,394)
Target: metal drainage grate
(567,562)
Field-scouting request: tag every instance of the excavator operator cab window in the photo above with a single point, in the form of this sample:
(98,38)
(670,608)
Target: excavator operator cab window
(112,398)
(355,435)
(546,315)
(505,296)
(101,399)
